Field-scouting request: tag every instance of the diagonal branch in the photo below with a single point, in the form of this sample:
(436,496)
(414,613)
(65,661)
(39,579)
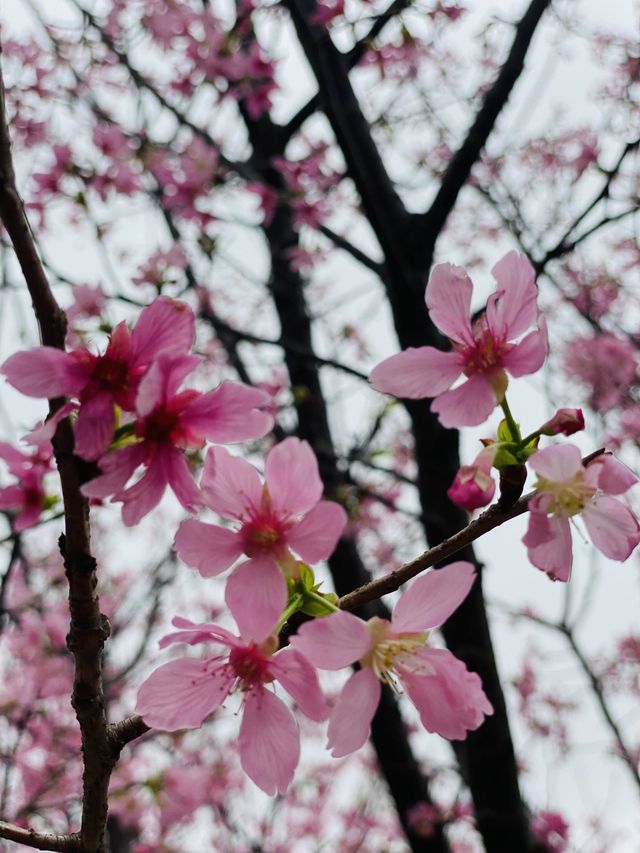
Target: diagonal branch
(459,169)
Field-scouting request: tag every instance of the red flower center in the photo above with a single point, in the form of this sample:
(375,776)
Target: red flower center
(251,665)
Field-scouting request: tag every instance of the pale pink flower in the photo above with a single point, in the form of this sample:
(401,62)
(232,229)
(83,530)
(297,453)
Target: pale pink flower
(101,382)
(566,488)
(170,422)
(285,513)
(473,485)
(183,692)
(449,698)
(482,352)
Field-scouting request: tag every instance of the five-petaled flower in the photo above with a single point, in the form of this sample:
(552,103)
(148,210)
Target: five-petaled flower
(483,352)
(449,698)
(180,694)
(566,488)
(283,514)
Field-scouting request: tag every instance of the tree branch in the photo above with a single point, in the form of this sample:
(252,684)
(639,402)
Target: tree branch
(39,840)
(89,629)
(459,169)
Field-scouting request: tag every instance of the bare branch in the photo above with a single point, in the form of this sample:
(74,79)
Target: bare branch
(39,840)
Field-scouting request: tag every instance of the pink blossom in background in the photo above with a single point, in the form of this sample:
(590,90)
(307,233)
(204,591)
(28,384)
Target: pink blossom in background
(285,513)
(448,697)
(566,488)
(170,422)
(473,485)
(101,382)
(607,365)
(483,353)
(552,830)
(182,693)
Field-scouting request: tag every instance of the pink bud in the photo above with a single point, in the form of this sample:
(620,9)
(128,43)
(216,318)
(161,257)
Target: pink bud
(565,421)
(473,485)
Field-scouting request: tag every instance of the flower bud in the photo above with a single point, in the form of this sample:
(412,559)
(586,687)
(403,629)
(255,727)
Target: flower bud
(565,421)
(473,485)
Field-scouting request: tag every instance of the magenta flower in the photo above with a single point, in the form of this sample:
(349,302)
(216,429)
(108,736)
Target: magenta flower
(101,382)
(26,498)
(449,698)
(283,514)
(566,488)
(482,352)
(170,422)
(473,485)
(180,694)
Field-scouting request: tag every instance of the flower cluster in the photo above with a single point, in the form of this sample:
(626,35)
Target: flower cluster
(484,352)
(132,411)
(133,417)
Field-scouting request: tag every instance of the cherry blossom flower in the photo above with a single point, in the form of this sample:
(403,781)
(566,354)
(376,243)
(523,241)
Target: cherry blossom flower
(182,693)
(449,698)
(482,352)
(473,485)
(101,382)
(170,422)
(566,488)
(283,514)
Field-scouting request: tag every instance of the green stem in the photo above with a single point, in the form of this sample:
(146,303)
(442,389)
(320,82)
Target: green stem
(320,599)
(291,608)
(513,426)
(528,438)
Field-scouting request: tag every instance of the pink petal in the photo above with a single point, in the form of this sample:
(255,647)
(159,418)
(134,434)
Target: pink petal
(315,537)
(15,460)
(417,373)
(468,405)
(432,598)
(164,327)
(350,720)
(515,309)
(118,467)
(206,547)
(558,464)
(178,475)
(162,381)
(29,516)
(229,414)
(292,476)
(334,641)
(613,477)
(46,372)
(144,495)
(180,694)
(94,427)
(300,680)
(450,699)
(269,742)
(529,355)
(256,595)
(612,527)
(548,542)
(448,298)
(194,633)
(230,485)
